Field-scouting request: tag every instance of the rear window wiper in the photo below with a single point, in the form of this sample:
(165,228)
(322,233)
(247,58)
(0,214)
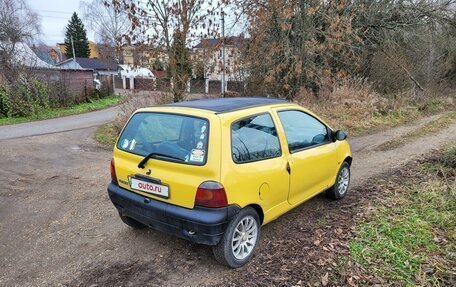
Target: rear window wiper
(142,164)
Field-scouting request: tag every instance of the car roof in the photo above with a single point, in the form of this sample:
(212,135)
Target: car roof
(224,105)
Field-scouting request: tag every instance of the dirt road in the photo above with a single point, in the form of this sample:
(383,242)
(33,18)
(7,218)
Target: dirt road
(58,226)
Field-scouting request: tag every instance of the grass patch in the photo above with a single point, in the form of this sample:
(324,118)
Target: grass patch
(60,112)
(430,128)
(106,134)
(409,238)
(354,106)
(360,125)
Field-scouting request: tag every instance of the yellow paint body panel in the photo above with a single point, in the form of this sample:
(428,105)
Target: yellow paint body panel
(182,179)
(265,183)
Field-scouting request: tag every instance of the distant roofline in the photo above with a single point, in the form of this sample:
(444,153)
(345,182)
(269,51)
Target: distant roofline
(92,59)
(206,43)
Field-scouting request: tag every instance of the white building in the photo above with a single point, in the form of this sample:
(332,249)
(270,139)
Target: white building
(209,53)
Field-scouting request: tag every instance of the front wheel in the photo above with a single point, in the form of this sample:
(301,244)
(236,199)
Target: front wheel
(238,243)
(339,189)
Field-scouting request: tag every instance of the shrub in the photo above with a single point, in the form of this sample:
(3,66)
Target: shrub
(346,99)
(353,104)
(26,97)
(4,101)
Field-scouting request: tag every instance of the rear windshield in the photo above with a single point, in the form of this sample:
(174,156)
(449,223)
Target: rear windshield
(181,137)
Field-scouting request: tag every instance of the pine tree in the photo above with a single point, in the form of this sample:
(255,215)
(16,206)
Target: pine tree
(76,29)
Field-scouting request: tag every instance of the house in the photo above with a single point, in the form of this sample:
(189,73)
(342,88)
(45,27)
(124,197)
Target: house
(48,54)
(100,67)
(25,56)
(94,53)
(56,55)
(75,81)
(144,56)
(209,53)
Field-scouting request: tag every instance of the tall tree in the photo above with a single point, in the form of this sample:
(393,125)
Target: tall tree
(18,24)
(313,43)
(298,44)
(76,29)
(171,26)
(109,24)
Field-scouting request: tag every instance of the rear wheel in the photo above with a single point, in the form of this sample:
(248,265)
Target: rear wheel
(339,189)
(131,222)
(238,243)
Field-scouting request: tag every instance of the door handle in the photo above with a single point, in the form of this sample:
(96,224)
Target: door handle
(288,168)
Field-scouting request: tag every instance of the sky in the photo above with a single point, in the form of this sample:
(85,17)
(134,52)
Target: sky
(55,15)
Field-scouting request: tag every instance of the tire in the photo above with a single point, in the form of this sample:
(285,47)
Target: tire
(340,187)
(131,222)
(235,258)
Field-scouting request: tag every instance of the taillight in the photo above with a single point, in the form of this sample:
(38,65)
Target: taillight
(211,194)
(113,172)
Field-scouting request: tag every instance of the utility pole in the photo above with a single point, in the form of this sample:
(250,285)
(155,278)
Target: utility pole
(72,47)
(223,84)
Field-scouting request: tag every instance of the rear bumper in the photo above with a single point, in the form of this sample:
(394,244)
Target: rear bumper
(200,225)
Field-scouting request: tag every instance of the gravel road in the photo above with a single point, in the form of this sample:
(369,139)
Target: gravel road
(58,226)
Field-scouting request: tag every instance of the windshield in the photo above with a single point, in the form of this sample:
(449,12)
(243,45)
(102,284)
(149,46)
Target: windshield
(170,135)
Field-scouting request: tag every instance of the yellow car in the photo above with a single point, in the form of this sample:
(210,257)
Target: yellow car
(214,171)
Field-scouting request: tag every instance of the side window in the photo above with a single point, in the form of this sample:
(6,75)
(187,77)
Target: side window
(302,130)
(254,138)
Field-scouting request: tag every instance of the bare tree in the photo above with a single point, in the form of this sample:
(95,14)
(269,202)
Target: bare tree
(406,35)
(311,43)
(109,24)
(18,23)
(171,26)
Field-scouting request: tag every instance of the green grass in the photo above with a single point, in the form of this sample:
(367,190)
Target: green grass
(361,120)
(430,128)
(60,112)
(106,134)
(410,237)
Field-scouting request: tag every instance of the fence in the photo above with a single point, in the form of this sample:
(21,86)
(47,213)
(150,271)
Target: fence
(72,86)
(197,86)
(164,85)
(107,87)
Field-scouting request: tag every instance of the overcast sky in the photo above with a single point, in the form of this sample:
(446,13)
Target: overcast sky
(55,15)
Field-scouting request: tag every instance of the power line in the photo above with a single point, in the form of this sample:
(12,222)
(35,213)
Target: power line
(54,17)
(54,11)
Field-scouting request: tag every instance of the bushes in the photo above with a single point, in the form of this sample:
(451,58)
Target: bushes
(30,96)
(354,105)
(4,101)
(24,98)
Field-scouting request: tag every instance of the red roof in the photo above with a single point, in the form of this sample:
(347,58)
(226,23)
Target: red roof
(159,74)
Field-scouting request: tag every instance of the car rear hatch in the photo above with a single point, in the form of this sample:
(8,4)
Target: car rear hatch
(183,146)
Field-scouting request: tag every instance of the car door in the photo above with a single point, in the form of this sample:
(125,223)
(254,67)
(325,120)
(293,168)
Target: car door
(254,171)
(312,155)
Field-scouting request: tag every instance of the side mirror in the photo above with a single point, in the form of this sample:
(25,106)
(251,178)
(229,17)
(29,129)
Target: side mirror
(340,135)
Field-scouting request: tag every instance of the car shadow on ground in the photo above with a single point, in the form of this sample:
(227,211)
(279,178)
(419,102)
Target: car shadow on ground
(182,259)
